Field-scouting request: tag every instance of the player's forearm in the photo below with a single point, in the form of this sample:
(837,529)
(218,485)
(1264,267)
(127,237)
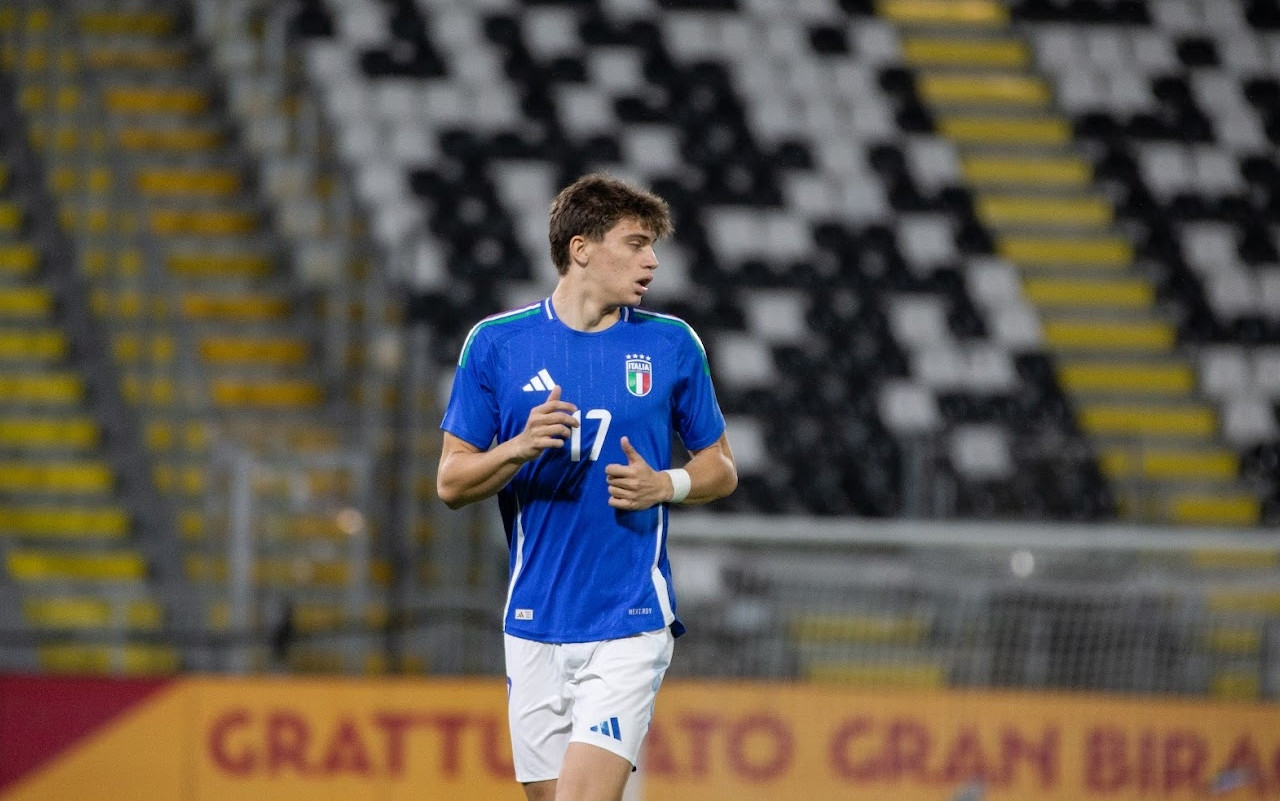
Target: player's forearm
(464,477)
(712,474)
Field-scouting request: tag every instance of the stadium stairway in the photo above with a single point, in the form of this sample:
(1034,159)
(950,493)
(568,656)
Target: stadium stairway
(78,589)
(214,341)
(1134,394)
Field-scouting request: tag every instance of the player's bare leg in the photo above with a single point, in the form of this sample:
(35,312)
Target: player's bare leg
(541,791)
(590,773)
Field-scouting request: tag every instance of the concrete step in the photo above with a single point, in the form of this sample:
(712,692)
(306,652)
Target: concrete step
(982,91)
(1210,507)
(1167,419)
(946,14)
(1089,293)
(1126,376)
(1081,252)
(1052,171)
(998,52)
(1029,213)
(1073,337)
(999,130)
(1190,467)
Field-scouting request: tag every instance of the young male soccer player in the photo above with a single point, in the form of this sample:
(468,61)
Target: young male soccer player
(566,409)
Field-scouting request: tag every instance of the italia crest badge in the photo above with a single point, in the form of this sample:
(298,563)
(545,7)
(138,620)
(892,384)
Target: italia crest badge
(639,374)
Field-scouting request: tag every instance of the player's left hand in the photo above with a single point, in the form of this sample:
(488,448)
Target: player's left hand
(635,485)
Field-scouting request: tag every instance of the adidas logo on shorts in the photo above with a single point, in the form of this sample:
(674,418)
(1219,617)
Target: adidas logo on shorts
(608,728)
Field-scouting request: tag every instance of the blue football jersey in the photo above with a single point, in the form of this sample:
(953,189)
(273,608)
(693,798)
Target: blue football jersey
(580,569)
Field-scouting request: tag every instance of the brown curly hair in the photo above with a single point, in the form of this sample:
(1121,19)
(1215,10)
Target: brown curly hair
(592,205)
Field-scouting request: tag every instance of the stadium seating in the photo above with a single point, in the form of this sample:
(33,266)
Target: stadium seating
(983,259)
(938,216)
(72,568)
(214,344)
(986,259)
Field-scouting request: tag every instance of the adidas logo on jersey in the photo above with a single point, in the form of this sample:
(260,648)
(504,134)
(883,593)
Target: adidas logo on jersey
(542,382)
(609,728)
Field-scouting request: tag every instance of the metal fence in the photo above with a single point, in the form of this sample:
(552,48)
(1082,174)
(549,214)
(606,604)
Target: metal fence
(1109,608)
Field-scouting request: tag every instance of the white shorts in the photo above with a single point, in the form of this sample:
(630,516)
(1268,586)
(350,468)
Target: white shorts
(600,693)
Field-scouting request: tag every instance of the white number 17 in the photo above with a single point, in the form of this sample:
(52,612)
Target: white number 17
(575,437)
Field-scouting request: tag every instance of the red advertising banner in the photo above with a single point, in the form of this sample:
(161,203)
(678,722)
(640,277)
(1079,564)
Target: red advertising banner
(217,738)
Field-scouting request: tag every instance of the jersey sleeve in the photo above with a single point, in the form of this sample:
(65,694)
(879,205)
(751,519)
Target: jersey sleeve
(698,418)
(472,413)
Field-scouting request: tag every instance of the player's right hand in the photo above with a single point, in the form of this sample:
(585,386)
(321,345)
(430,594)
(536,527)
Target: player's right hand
(550,423)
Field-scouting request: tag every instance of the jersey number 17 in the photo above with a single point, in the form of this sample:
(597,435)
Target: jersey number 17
(575,436)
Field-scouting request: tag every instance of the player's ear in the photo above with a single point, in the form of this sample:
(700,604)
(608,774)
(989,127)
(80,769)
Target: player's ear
(580,249)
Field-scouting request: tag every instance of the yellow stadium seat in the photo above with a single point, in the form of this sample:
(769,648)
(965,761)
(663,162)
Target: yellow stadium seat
(173,181)
(129,660)
(1090,293)
(927,51)
(169,222)
(57,522)
(137,58)
(1234,640)
(1149,336)
(1236,685)
(161,348)
(895,675)
(185,480)
(75,433)
(52,389)
(155,390)
(1057,171)
(1206,509)
(1255,601)
(36,58)
(190,436)
(1126,377)
(281,571)
(126,304)
(18,259)
(266,393)
(97,262)
(983,89)
(78,612)
(1044,212)
(1233,559)
(210,265)
(245,307)
(107,23)
(224,350)
(67,477)
(65,138)
(155,100)
(970,129)
(1105,252)
(1148,420)
(32,345)
(309,615)
(858,628)
(31,565)
(37,98)
(10,217)
(180,139)
(1211,464)
(32,21)
(948,13)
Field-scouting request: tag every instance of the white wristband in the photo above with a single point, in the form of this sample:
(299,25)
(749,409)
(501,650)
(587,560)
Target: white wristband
(680,484)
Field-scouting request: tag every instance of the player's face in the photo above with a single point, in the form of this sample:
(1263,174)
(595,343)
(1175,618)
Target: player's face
(623,263)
